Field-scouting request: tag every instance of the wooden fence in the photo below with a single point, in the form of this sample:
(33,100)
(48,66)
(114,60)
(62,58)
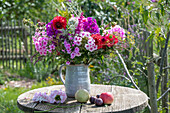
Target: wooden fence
(15,44)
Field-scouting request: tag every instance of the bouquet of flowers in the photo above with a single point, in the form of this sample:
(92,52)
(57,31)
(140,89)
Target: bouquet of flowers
(76,39)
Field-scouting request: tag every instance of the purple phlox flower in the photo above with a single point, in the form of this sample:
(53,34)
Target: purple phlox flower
(57,96)
(107,69)
(41,97)
(69,0)
(153,0)
(100,71)
(50,31)
(133,2)
(91,25)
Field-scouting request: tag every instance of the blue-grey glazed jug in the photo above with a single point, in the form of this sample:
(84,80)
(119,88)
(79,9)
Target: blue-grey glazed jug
(77,77)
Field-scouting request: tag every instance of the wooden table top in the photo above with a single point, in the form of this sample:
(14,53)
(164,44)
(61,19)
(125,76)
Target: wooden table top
(126,100)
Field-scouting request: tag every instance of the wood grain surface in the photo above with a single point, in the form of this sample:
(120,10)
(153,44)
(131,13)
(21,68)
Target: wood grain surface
(126,100)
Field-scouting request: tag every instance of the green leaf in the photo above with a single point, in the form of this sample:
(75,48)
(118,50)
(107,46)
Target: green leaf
(150,37)
(141,9)
(162,10)
(158,16)
(140,63)
(145,16)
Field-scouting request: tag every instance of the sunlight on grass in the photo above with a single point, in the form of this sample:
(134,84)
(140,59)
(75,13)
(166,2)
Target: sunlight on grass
(8,98)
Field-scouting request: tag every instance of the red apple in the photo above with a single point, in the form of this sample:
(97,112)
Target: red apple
(107,97)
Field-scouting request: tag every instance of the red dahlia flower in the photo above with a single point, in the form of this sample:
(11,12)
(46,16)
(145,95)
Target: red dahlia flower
(99,41)
(111,40)
(59,22)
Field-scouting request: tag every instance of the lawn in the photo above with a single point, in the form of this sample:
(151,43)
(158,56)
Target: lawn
(9,95)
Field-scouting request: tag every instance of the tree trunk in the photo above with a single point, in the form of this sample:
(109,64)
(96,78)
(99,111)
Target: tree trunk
(164,86)
(152,87)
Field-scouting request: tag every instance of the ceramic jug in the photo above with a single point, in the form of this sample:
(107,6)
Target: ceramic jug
(76,77)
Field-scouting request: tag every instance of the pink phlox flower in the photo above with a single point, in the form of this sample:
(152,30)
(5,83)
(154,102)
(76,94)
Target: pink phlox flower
(41,53)
(63,50)
(65,42)
(76,50)
(44,47)
(87,46)
(68,63)
(51,38)
(91,41)
(95,47)
(85,34)
(45,53)
(78,54)
(50,51)
(68,49)
(119,30)
(41,97)
(45,43)
(73,55)
(36,44)
(43,32)
(41,49)
(67,45)
(78,43)
(75,38)
(91,49)
(40,44)
(46,39)
(70,38)
(91,46)
(52,46)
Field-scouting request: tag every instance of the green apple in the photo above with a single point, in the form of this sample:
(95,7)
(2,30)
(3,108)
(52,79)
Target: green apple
(82,95)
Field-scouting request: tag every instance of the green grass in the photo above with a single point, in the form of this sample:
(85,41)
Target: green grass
(8,98)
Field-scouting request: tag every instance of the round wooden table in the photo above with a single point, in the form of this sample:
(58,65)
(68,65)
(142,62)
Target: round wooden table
(126,100)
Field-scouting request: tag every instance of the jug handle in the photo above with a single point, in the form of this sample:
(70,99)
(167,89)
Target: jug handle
(60,73)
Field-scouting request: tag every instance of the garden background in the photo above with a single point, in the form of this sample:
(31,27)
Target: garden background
(147,25)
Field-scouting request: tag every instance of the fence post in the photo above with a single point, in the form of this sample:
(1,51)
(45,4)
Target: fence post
(151,73)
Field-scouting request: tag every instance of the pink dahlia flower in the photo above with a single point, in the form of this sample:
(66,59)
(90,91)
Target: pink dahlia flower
(57,96)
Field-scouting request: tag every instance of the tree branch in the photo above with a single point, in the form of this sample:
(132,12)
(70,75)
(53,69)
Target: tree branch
(163,94)
(118,76)
(130,77)
(142,72)
(129,74)
(168,67)
(162,61)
